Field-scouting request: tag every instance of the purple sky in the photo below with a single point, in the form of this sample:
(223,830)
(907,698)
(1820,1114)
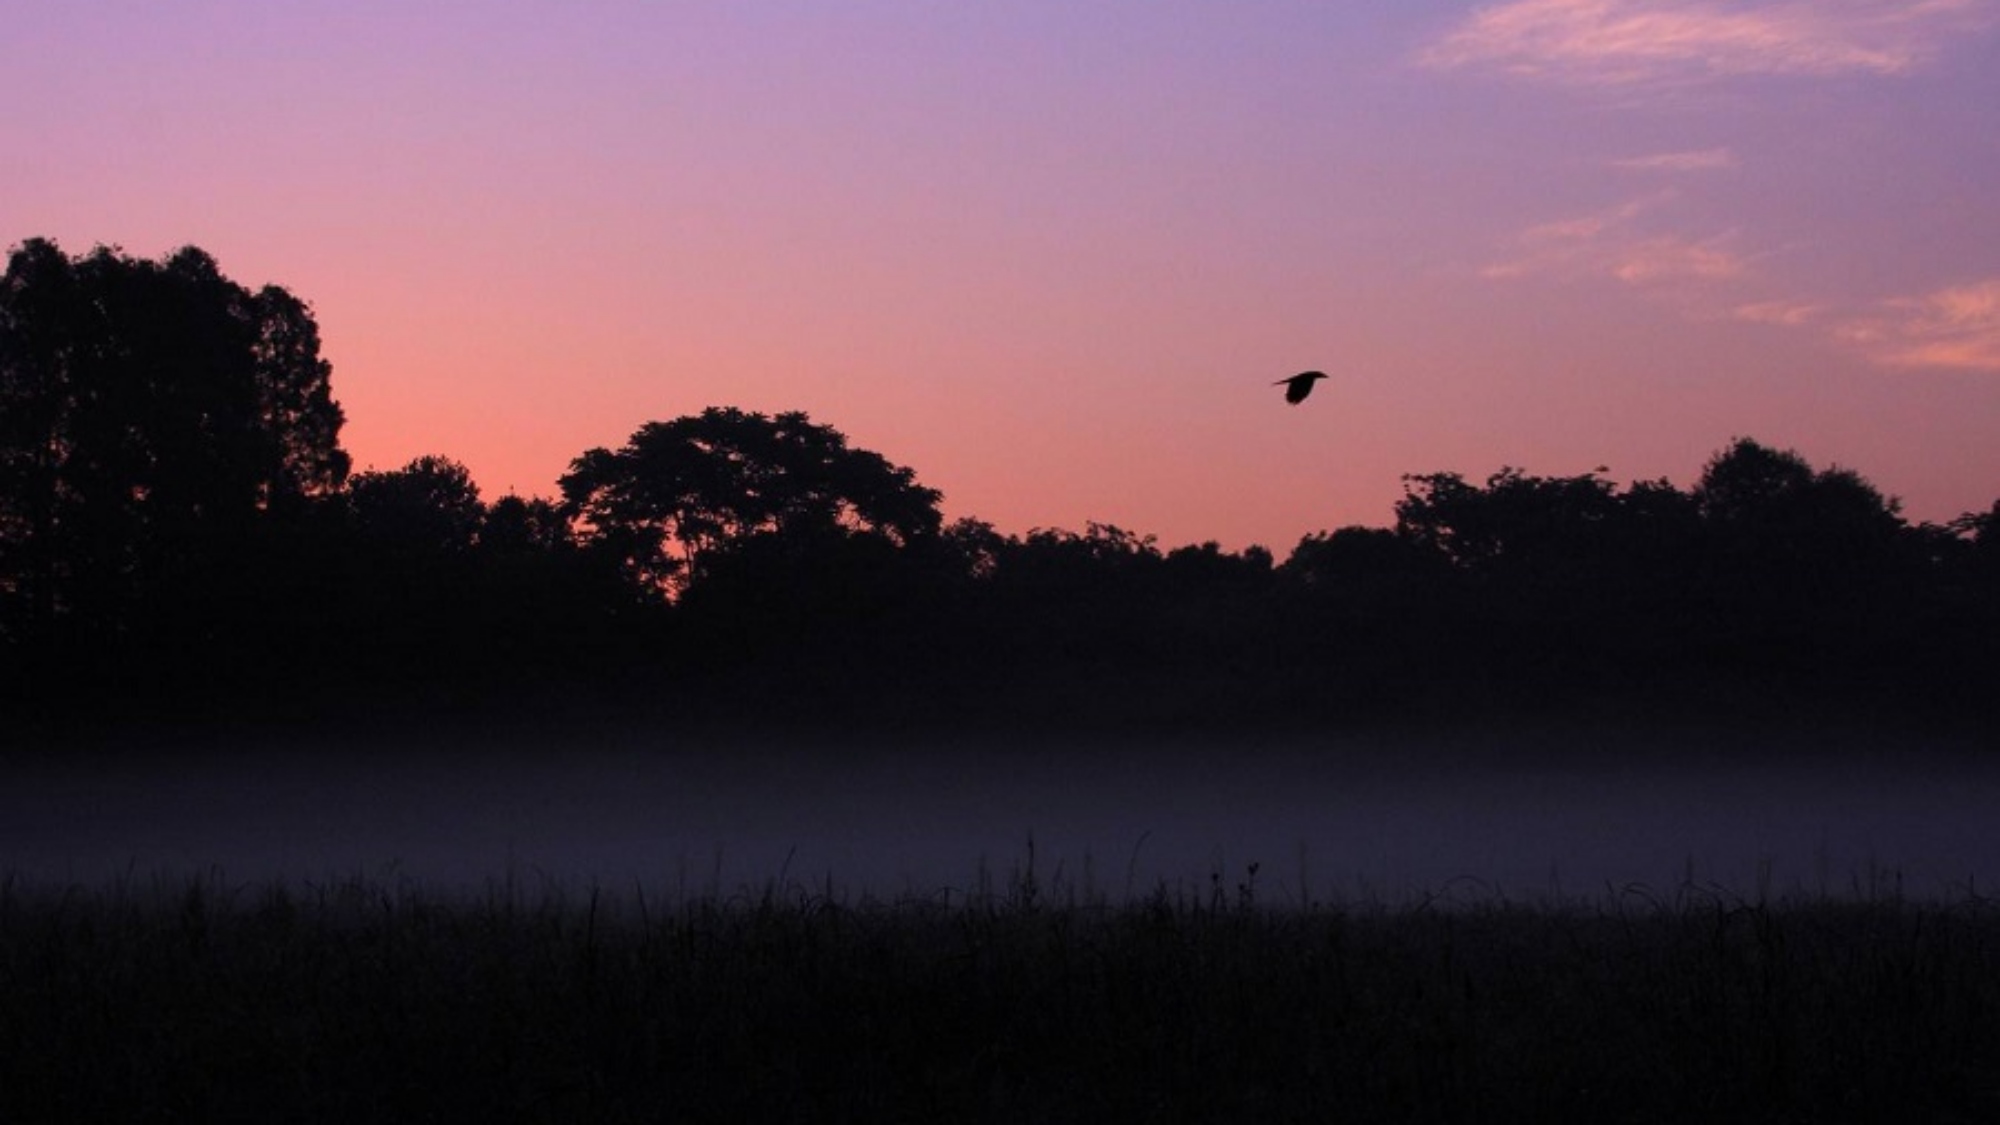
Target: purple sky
(1052,255)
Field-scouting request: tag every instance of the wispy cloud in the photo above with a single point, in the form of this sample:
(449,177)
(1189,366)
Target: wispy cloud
(1955,327)
(1677,258)
(1616,243)
(1703,160)
(1610,42)
(1787,314)
(1584,228)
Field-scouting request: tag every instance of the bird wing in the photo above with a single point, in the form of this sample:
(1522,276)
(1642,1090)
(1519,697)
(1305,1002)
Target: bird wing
(1299,386)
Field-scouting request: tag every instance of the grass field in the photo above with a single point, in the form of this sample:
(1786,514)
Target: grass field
(1017,1001)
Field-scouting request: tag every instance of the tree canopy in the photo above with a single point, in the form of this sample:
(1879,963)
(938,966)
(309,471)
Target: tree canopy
(429,506)
(176,511)
(1798,540)
(153,416)
(681,492)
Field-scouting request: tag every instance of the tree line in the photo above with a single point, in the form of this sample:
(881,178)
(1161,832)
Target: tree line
(179,525)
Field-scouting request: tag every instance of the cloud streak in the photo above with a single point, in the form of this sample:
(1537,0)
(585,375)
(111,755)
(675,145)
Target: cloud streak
(1787,314)
(1956,328)
(1704,160)
(1677,258)
(1614,243)
(1623,42)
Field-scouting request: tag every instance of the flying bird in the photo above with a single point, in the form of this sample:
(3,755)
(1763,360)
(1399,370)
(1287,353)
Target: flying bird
(1299,386)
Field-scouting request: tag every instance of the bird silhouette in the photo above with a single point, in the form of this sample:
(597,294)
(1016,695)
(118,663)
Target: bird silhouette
(1299,386)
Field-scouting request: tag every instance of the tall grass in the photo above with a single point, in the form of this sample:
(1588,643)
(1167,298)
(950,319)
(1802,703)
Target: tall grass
(1018,1000)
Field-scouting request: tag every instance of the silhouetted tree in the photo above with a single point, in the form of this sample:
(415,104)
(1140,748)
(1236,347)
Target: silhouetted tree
(970,548)
(1103,563)
(429,507)
(1516,522)
(1752,485)
(782,585)
(1550,582)
(681,493)
(1365,571)
(446,597)
(514,524)
(1982,527)
(1207,564)
(546,608)
(1787,541)
(1971,573)
(1056,592)
(1218,602)
(1544,548)
(156,420)
(1975,549)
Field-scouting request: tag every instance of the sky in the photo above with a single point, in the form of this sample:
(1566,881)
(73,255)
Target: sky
(1053,255)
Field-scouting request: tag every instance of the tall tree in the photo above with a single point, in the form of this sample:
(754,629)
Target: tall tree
(1517,521)
(429,507)
(681,493)
(1792,540)
(153,416)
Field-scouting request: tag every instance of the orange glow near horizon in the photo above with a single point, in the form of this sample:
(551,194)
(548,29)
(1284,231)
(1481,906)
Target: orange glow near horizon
(1052,259)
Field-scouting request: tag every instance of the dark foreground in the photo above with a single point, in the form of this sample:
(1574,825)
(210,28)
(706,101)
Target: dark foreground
(358,1002)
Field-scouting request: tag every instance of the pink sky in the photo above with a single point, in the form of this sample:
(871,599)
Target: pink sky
(1052,255)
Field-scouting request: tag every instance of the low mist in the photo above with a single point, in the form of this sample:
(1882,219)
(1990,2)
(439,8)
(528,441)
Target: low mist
(1468,813)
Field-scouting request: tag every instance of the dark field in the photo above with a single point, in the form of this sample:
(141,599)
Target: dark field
(1578,920)
(1019,999)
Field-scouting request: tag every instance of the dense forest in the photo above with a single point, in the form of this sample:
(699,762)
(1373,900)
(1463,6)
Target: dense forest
(182,534)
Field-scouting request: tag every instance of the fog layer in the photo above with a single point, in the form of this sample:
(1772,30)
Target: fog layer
(1523,812)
